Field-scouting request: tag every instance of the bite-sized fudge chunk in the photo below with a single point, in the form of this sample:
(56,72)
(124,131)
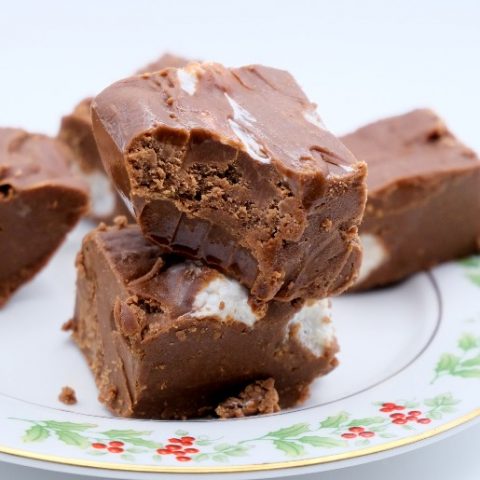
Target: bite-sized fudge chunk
(234,167)
(258,398)
(423,196)
(169,338)
(40,202)
(76,132)
(68,396)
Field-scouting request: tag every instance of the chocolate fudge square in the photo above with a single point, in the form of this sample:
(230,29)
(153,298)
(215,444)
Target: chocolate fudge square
(40,202)
(423,196)
(234,167)
(76,132)
(170,339)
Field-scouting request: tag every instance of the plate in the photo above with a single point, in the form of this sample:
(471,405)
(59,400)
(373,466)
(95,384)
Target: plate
(409,372)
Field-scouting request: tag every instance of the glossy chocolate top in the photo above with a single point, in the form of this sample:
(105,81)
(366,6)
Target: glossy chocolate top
(29,160)
(416,144)
(257,109)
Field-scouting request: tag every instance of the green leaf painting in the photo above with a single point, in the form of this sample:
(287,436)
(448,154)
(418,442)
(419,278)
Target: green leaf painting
(462,364)
(472,269)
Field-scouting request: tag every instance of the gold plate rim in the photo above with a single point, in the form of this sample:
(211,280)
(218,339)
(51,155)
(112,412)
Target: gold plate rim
(475,414)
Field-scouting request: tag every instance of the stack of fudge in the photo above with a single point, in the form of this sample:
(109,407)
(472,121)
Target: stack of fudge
(210,296)
(246,213)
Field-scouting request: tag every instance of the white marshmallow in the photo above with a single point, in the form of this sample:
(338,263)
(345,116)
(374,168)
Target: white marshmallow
(227,299)
(374,255)
(226,293)
(315,331)
(101,194)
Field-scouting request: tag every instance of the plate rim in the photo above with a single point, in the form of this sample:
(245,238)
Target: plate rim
(312,461)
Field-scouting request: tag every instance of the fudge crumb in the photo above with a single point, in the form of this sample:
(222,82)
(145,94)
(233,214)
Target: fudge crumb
(108,395)
(120,222)
(257,398)
(69,326)
(102,227)
(67,396)
(327,224)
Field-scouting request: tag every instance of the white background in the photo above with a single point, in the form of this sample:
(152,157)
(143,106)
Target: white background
(359,60)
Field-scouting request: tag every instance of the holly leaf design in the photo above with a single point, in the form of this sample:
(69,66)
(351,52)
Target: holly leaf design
(475,278)
(134,437)
(335,421)
(37,433)
(380,428)
(222,446)
(157,458)
(97,453)
(467,342)
(128,457)
(470,261)
(80,427)
(291,449)
(136,450)
(472,264)
(447,363)
(204,443)
(201,457)
(181,433)
(238,451)
(292,431)
(471,362)
(72,438)
(323,442)
(445,399)
(472,373)
(365,422)
(141,442)
(447,409)
(386,435)
(220,457)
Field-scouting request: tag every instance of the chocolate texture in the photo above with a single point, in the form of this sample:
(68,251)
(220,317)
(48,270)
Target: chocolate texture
(423,196)
(76,132)
(235,168)
(168,338)
(258,398)
(40,202)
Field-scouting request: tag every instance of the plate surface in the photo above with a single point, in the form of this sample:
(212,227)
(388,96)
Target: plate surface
(410,370)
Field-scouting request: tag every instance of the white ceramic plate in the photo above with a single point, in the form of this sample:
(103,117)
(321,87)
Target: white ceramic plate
(410,371)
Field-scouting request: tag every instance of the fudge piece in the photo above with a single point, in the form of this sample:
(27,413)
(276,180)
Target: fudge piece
(258,398)
(68,396)
(76,132)
(40,202)
(423,196)
(169,338)
(234,167)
